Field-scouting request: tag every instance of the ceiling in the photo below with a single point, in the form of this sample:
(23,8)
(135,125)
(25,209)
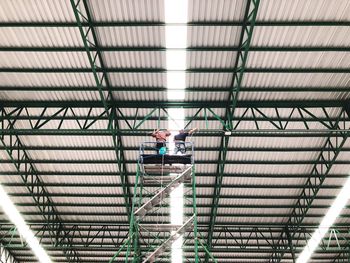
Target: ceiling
(74,110)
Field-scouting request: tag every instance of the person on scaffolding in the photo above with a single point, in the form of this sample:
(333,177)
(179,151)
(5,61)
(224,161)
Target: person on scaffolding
(160,137)
(180,140)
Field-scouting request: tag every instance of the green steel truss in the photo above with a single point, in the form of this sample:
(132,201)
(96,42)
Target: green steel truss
(19,158)
(261,119)
(226,233)
(5,254)
(319,172)
(250,15)
(97,67)
(232,239)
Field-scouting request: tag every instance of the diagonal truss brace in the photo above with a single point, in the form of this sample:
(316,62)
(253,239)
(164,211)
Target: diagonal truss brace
(23,165)
(325,161)
(6,256)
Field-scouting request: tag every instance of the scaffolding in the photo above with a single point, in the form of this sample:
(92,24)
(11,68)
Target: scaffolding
(152,233)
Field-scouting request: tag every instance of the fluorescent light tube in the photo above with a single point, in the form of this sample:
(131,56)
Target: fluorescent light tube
(176,11)
(176,60)
(16,218)
(326,223)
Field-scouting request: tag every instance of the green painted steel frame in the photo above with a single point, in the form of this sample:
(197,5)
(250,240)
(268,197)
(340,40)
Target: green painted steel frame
(19,157)
(6,256)
(319,172)
(251,11)
(89,38)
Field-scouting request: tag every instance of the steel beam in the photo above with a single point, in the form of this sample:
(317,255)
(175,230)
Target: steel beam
(260,117)
(97,67)
(162,70)
(95,24)
(175,104)
(164,89)
(163,49)
(241,175)
(251,12)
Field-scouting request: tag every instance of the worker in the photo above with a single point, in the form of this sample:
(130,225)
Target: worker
(160,137)
(179,139)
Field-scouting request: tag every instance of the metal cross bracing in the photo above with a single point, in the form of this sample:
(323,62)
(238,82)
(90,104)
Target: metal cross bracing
(97,66)
(279,119)
(190,104)
(18,156)
(319,172)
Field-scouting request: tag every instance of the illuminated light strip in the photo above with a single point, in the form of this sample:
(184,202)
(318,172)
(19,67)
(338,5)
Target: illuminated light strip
(176,37)
(176,12)
(176,214)
(326,223)
(15,217)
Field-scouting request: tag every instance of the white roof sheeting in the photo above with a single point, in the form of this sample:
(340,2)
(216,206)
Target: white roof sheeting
(263,176)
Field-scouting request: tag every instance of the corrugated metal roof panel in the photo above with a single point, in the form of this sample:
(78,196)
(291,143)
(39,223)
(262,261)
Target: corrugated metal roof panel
(62,141)
(36,10)
(216,10)
(205,141)
(73,155)
(47,79)
(261,181)
(49,95)
(212,59)
(208,80)
(126,10)
(140,95)
(134,59)
(298,60)
(131,36)
(257,202)
(259,192)
(267,169)
(40,36)
(138,79)
(301,36)
(206,96)
(260,96)
(276,142)
(74,167)
(271,156)
(204,36)
(44,60)
(296,80)
(313,10)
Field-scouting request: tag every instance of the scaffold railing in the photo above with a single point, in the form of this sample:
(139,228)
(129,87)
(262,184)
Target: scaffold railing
(164,179)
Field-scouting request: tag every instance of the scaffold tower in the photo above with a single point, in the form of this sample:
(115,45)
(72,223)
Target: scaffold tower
(163,182)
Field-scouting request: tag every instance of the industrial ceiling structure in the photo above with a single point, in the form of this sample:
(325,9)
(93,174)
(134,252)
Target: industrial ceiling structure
(82,83)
